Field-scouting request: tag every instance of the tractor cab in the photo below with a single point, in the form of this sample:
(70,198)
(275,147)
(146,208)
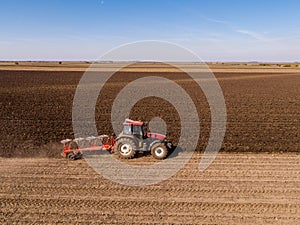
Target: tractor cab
(135,128)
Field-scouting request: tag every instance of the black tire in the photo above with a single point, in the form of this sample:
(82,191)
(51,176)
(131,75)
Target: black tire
(125,148)
(71,156)
(159,151)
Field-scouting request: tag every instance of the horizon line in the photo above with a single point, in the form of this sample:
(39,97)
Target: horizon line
(147,61)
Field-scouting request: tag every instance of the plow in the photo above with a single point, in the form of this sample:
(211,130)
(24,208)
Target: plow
(134,138)
(74,149)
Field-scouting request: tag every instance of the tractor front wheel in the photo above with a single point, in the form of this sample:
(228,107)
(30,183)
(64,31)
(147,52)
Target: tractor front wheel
(126,148)
(159,151)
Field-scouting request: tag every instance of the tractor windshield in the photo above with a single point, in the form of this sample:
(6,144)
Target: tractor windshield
(137,130)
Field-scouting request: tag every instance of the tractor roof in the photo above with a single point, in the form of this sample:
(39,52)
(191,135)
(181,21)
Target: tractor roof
(133,122)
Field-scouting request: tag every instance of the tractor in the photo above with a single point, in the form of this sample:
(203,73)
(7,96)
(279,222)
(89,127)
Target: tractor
(135,138)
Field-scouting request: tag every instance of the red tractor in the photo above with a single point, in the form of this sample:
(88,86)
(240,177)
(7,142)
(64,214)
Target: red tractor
(135,138)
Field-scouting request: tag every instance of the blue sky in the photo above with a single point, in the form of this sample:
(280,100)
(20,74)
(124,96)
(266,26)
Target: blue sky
(224,30)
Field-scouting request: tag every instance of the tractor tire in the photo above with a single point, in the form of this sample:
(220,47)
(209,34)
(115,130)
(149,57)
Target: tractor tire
(159,151)
(125,148)
(71,156)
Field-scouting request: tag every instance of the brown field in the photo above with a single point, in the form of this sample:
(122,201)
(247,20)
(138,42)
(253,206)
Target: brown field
(235,189)
(262,107)
(240,187)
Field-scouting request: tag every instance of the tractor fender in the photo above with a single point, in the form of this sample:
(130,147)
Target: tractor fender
(155,142)
(127,136)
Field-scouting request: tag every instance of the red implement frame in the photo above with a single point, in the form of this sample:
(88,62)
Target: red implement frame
(75,148)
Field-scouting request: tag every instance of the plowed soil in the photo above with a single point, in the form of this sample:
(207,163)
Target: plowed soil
(262,110)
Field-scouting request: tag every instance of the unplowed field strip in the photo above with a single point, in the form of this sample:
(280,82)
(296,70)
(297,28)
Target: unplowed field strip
(235,189)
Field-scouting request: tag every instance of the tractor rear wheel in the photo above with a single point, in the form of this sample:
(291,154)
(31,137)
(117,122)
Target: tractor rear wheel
(126,148)
(159,151)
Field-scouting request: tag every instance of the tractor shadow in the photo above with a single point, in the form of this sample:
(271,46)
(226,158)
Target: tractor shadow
(172,153)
